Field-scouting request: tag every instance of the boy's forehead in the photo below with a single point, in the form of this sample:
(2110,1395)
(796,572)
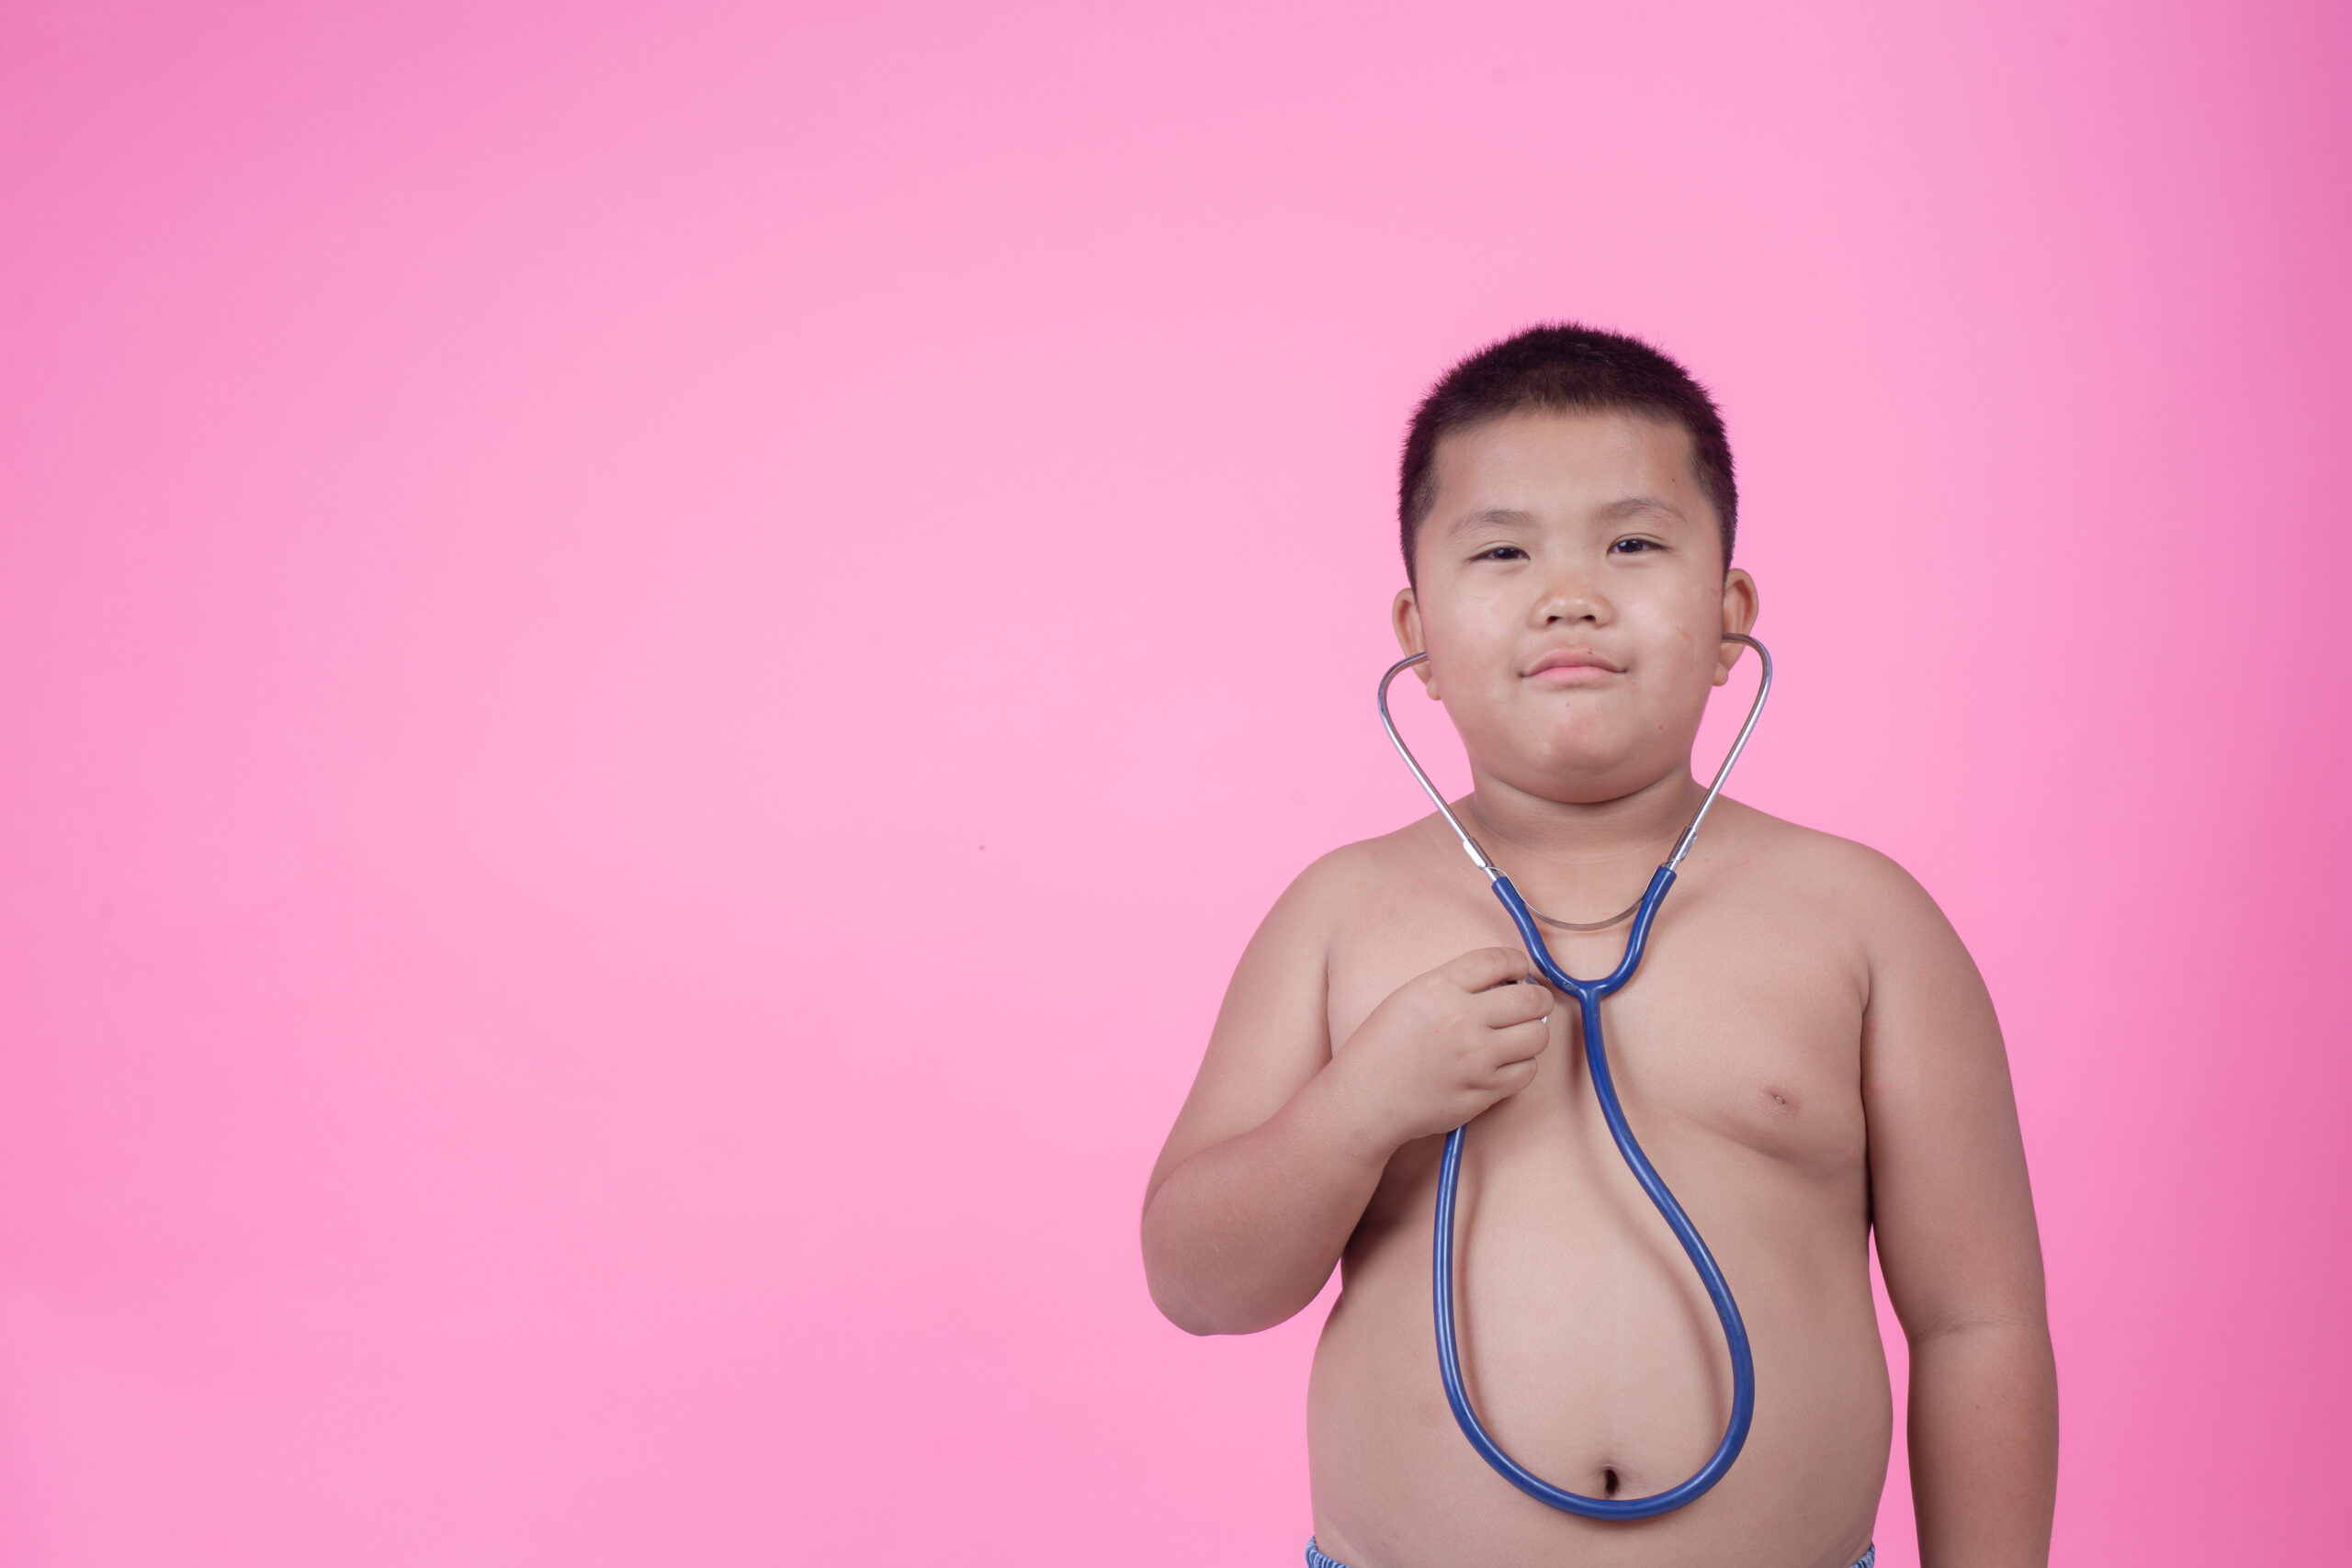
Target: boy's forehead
(1583,460)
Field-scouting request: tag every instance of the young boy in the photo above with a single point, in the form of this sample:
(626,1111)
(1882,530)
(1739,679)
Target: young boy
(1807,1054)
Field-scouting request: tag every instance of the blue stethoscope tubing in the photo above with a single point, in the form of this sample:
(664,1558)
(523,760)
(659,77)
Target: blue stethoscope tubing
(1589,994)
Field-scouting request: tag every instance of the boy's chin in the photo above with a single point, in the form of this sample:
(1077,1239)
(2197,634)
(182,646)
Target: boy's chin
(1589,784)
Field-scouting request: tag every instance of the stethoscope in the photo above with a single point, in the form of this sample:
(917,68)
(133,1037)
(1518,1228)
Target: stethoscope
(1589,994)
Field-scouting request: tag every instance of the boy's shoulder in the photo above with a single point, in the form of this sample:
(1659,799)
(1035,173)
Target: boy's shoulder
(1837,885)
(1783,849)
(1373,877)
(1377,867)
(1811,858)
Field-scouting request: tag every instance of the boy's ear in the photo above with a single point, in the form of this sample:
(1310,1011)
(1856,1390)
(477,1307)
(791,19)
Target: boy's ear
(1740,605)
(1406,612)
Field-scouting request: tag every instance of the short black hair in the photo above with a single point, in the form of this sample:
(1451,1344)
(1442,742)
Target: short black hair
(1569,368)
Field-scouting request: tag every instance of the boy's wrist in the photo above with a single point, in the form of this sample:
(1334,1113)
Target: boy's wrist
(1349,1116)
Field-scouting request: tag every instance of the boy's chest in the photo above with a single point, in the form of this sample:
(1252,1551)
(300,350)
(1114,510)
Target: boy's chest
(1743,1024)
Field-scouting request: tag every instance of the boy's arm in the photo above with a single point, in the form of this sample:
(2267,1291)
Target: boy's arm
(1281,1143)
(1957,1241)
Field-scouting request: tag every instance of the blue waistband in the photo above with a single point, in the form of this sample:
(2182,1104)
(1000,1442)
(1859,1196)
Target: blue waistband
(1316,1559)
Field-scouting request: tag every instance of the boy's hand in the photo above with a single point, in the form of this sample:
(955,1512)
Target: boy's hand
(1443,1047)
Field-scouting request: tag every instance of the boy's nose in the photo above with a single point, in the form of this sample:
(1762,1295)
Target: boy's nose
(1569,599)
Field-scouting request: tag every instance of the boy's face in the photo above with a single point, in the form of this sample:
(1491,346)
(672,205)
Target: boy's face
(1572,600)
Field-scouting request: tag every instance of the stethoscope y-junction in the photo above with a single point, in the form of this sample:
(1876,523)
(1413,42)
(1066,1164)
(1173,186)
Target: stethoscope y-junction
(1589,994)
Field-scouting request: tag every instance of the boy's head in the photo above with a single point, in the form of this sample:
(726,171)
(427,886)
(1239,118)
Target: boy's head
(1567,508)
(1563,369)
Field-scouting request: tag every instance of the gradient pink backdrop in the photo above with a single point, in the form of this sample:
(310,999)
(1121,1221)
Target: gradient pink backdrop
(652,660)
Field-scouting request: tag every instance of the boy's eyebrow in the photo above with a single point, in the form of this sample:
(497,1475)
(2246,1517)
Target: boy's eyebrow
(1513,517)
(1633,504)
(1499,516)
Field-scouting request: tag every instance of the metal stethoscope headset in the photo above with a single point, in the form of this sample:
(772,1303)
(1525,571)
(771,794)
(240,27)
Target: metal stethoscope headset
(1589,994)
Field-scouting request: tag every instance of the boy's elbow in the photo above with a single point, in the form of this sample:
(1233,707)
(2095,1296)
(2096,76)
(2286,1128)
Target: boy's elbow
(1185,1314)
(1190,1309)
(2012,1350)
(1193,1303)
(2021,1327)
(1204,1319)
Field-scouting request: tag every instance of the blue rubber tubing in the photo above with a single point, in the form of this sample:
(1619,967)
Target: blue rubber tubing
(1596,1054)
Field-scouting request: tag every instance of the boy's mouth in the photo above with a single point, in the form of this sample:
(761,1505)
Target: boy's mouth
(1572,667)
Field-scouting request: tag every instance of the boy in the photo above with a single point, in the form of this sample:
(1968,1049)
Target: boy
(1808,1054)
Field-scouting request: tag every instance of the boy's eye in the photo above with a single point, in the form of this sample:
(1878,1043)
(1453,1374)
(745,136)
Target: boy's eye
(1632,546)
(1501,552)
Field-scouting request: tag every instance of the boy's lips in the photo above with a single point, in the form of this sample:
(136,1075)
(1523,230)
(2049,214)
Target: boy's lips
(1573,667)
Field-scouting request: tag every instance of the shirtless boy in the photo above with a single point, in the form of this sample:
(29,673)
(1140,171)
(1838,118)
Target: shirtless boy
(1808,1054)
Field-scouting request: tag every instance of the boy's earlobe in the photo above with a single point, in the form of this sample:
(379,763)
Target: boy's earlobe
(1740,605)
(1405,618)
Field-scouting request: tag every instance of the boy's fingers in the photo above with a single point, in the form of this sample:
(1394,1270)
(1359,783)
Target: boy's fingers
(1516,1077)
(1522,1042)
(1488,967)
(1507,1005)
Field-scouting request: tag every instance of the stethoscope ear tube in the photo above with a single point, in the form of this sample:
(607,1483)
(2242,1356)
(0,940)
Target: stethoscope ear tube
(1589,994)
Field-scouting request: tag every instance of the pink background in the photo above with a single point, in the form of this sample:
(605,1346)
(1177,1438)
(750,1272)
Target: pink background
(652,661)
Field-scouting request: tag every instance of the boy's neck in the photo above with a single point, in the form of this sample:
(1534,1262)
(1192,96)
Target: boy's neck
(1644,823)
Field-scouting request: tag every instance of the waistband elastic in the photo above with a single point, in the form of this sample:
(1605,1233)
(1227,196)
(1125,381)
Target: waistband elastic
(1316,1559)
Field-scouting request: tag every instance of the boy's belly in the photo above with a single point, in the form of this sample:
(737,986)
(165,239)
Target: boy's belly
(1594,1357)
